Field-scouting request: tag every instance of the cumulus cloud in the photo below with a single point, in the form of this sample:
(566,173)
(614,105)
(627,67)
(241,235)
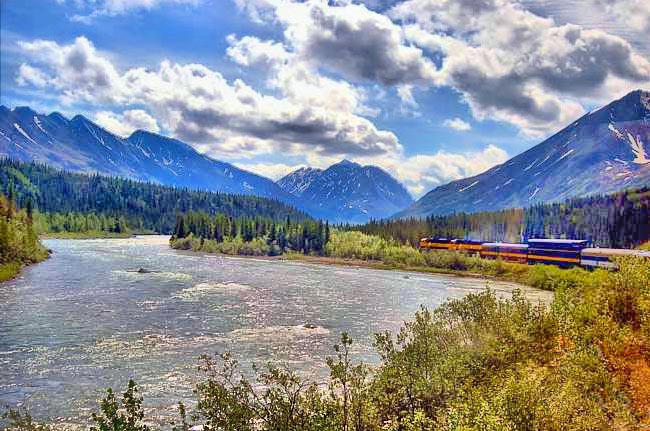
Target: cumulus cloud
(127,122)
(512,65)
(118,7)
(28,75)
(77,70)
(421,173)
(457,124)
(348,38)
(199,105)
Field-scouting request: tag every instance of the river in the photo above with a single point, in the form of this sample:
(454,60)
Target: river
(85,319)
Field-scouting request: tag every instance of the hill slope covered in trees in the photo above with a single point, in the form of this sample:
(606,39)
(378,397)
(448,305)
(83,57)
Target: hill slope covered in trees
(620,220)
(136,205)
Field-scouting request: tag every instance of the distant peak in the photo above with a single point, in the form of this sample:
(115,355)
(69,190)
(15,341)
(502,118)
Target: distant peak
(346,162)
(57,116)
(80,118)
(24,110)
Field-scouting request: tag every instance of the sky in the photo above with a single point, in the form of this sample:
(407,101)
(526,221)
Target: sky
(430,90)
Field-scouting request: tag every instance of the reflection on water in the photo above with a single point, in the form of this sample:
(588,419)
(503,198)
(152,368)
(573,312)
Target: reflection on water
(87,319)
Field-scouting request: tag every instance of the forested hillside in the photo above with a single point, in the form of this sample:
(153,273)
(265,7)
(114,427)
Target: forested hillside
(619,220)
(249,235)
(19,244)
(79,199)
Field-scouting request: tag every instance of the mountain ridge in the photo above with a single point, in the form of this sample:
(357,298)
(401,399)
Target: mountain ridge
(603,151)
(81,145)
(348,191)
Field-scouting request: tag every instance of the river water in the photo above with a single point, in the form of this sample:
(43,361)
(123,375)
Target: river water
(84,320)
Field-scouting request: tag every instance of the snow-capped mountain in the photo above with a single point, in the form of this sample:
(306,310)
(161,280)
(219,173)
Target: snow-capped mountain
(80,145)
(604,151)
(347,192)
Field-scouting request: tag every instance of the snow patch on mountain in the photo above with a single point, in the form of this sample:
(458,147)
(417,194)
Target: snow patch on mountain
(640,156)
(22,132)
(468,187)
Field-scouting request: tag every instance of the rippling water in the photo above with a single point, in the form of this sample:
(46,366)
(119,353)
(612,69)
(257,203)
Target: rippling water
(84,320)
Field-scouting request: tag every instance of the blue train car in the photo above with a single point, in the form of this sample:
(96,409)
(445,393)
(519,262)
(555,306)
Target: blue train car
(505,251)
(561,252)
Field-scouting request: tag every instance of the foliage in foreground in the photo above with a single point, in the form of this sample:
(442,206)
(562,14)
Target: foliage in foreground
(477,363)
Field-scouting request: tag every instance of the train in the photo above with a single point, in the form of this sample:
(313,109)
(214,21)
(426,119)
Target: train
(565,253)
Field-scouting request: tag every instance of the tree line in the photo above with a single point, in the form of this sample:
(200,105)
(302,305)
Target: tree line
(275,237)
(136,205)
(19,244)
(620,220)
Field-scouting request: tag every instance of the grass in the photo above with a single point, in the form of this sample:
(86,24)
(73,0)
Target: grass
(9,270)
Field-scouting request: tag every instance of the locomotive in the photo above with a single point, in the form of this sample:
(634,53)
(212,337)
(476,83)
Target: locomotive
(564,253)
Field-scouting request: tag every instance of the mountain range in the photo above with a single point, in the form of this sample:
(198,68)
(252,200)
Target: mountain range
(347,191)
(79,145)
(604,151)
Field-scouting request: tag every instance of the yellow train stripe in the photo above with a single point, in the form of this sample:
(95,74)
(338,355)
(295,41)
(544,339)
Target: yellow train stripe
(496,253)
(553,258)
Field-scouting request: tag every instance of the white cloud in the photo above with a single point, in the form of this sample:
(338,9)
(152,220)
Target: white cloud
(421,173)
(78,71)
(457,124)
(119,7)
(512,65)
(633,13)
(126,123)
(348,38)
(28,75)
(197,104)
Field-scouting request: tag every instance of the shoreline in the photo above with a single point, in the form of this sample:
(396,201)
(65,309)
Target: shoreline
(359,263)
(11,270)
(86,235)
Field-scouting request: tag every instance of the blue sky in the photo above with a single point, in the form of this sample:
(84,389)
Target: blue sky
(431,90)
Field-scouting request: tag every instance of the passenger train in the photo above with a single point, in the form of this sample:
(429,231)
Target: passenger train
(560,252)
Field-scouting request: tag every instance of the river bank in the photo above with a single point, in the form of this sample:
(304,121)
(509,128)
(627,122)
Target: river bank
(87,235)
(542,277)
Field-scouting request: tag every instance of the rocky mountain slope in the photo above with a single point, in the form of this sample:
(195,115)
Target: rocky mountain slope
(347,192)
(604,151)
(79,145)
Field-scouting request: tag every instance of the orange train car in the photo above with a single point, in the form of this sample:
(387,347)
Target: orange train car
(436,244)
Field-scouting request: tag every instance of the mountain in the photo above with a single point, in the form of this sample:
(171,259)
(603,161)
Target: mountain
(604,151)
(80,145)
(347,192)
